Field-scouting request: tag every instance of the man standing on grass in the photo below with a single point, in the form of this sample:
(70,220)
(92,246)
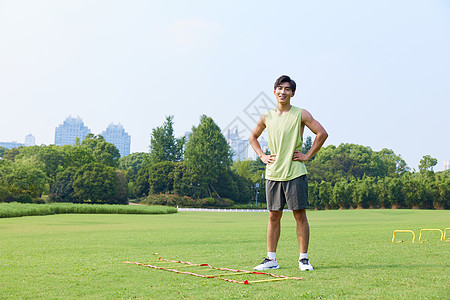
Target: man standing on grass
(285,169)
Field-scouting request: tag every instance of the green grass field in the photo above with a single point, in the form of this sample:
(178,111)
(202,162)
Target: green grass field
(80,256)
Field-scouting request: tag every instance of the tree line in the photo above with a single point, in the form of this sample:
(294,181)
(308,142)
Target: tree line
(343,176)
(199,171)
(86,172)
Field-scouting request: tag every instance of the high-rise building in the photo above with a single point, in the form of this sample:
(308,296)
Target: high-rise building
(115,134)
(72,128)
(30,140)
(446,164)
(238,146)
(263,143)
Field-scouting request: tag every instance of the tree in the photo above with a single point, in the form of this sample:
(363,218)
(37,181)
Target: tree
(52,159)
(325,193)
(11,154)
(95,183)
(349,160)
(207,154)
(392,164)
(313,195)
(413,190)
(62,190)
(363,194)
(21,181)
(163,144)
(247,190)
(181,182)
(307,145)
(121,196)
(249,173)
(227,187)
(426,165)
(341,195)
(132,163)
(2,151)
(141,186)
(102,151)
(382,192)
(442,192)
(77,156)
(395,191)
(160,177)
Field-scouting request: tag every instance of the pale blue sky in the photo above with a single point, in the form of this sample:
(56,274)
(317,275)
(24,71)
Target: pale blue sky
(375,73)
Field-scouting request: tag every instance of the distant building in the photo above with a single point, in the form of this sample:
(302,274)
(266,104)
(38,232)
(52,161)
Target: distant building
(446,164)
(11,145)
(264,144)
(72,128)
(238,146)
(187,134)
(115,134)
(30,140)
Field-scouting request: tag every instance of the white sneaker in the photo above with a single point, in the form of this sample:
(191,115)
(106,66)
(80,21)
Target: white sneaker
(267,264)
(304,265)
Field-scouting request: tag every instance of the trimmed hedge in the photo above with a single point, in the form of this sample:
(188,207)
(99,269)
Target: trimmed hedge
(14,209)
(185,201)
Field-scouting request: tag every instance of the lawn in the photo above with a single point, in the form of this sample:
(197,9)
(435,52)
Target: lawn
(81,256)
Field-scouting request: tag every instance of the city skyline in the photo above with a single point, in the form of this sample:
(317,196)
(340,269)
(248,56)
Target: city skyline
(73,128)
(28,141)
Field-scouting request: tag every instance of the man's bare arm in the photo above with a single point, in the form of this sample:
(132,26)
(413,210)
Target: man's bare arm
(318,130)
(253,140)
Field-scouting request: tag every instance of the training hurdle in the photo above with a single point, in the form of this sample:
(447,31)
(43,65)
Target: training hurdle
(223,275)
(443,235)
(420,235)
(395,231)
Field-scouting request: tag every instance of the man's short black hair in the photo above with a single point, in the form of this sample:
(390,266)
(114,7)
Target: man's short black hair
(285,78)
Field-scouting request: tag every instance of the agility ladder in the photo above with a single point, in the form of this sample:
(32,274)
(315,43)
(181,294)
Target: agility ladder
(217,276)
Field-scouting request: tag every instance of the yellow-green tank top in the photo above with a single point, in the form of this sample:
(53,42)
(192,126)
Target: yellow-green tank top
(284,138)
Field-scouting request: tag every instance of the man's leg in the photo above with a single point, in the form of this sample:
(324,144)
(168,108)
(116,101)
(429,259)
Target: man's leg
(273,234)
(302,229)
(303,239)
(273,230)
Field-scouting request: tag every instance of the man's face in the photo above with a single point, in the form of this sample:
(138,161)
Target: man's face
(283,93)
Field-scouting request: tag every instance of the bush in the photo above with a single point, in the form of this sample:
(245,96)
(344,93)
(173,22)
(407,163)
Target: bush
(185,201)
(38,201)
(224,202)
(24,199)
(210,201)
(169,199)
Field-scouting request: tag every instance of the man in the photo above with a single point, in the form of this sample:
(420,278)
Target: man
(285,169)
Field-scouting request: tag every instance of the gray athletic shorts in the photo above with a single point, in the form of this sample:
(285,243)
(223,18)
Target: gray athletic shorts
(293,192)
